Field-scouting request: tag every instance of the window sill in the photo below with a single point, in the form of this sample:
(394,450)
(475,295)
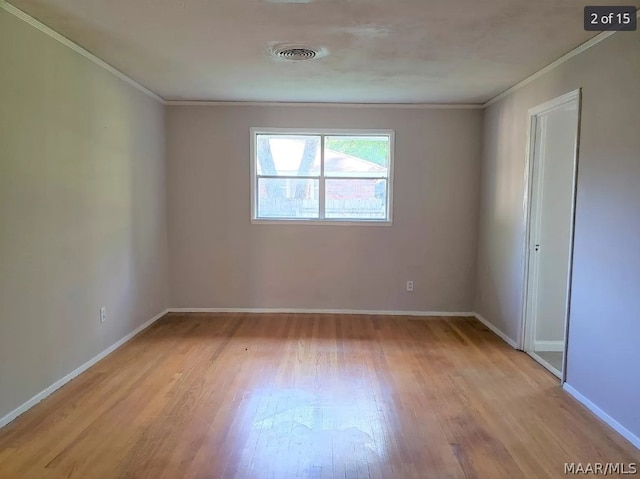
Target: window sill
(300,222)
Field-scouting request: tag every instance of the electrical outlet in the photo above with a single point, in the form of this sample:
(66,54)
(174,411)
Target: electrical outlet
(103,314)
(410,286)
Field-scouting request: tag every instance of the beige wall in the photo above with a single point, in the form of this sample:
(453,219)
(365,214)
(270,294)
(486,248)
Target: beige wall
(219,259)
(604,322)
(82,210)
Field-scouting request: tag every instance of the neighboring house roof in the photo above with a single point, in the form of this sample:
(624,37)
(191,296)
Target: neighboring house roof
(336,161)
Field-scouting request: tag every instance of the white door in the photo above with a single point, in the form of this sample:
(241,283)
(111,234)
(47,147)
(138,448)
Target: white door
(553,150)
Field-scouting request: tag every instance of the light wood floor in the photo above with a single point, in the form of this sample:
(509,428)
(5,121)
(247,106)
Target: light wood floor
(292,396)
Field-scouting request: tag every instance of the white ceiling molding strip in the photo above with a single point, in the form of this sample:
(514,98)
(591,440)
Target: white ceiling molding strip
(76,48)
(436,106)
(576,51)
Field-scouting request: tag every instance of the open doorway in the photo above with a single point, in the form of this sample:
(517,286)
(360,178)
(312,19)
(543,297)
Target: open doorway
(550,204)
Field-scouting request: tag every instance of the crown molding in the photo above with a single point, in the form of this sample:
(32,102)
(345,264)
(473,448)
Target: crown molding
(4,5)
(435,106)
(564,58)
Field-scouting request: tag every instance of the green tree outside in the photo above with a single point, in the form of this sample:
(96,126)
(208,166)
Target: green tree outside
(373,150)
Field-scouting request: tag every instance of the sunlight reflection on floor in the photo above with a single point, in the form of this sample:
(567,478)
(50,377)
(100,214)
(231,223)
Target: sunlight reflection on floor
(293,428)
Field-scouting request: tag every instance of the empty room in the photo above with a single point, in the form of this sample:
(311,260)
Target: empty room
(281,239)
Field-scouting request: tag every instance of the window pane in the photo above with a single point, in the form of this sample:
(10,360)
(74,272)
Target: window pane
(288,155)
(288,198)
(356,156)
(356,199)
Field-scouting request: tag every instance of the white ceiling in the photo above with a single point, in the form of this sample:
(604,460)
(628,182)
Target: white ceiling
(380,51)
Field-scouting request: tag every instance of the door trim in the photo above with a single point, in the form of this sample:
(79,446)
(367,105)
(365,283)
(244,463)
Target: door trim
(532,115)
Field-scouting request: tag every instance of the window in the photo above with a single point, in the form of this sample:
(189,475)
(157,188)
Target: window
(340,176)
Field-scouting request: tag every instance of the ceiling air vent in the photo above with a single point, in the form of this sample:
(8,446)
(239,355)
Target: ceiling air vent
(296,53)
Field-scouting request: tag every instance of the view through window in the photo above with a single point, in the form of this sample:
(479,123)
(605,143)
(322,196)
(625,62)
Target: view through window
(333,176)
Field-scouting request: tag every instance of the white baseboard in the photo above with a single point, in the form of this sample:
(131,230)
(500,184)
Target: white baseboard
(496,331)
(76,372)
(549,346)
(323,311)
(619,428)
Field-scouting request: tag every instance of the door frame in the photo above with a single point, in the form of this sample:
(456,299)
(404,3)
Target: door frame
(532,118)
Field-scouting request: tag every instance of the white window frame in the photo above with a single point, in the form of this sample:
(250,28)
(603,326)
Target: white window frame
(322,132)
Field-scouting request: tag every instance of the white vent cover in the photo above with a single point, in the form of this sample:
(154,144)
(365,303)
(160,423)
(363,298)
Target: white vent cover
(296,52)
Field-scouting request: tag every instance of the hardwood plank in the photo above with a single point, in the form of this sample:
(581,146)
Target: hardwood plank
(309,396)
